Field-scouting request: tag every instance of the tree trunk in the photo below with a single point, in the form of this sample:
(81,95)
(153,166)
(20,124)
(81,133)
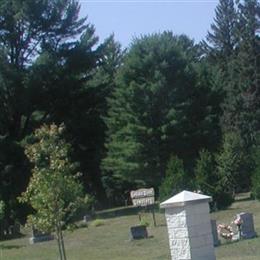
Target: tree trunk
(59,242)
(62,243)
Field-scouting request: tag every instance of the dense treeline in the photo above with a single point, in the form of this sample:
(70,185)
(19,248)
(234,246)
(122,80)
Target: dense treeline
(166,112)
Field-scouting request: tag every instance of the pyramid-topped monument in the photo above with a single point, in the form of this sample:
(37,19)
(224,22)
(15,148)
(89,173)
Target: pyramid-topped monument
(183,198)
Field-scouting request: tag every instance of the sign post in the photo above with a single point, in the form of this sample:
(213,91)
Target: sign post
(143,198)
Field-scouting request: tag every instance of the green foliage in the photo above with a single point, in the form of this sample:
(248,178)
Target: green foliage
(91,107)
(13,162)
(82,224)
(235,45)
(164,96)
(144,222)
(46,58)
(2,210)
(222,37)
(256,173)
(222,199)
(233,164)
(205,172)
(160,105)
(256,184)
(210,183)
(54,191)
(175,180)
(98,223)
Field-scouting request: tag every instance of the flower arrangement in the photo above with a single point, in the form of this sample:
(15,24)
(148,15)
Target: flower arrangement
(238,221)
(226,231)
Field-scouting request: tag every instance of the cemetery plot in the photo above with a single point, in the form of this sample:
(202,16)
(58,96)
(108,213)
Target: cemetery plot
(111,241)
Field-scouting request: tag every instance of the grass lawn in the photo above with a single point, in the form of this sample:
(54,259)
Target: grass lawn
(111,240)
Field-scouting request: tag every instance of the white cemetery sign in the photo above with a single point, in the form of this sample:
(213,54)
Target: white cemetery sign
(142,197)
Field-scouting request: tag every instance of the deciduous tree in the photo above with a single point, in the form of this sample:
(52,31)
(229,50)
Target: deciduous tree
(54,191)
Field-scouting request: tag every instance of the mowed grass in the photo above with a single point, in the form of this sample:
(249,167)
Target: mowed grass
(110,241)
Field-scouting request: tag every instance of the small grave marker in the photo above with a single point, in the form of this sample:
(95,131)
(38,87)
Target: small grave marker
(138,232)
(38,236)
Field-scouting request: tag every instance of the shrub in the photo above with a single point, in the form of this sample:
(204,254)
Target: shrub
(205,173)
(256,174)
(210,181)
(144,222)
(175,179)
(2,209)
(82,224)
(234,164)
(98,223)
(223,199)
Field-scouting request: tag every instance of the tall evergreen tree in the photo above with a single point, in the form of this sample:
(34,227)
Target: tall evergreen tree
(205,173)
(222,40)
(154,110)
(46,56)
(87,129)
(175,179)
(234,165)
(242,102)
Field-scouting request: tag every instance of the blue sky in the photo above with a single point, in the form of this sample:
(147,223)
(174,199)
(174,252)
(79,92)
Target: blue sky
(132,18)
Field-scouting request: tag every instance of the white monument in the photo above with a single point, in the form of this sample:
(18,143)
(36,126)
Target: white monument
(189,226)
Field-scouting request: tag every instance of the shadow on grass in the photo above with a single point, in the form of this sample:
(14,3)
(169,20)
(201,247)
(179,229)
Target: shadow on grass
(10,237)
(8,247)
(231,242)
(161,225)
(125,211)
(243,199)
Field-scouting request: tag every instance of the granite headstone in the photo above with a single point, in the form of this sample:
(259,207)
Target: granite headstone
(247,227)
(138,232)
(216,241)
(38,236)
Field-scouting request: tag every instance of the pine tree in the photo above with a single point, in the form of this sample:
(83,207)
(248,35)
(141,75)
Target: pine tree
(234,164)
(222,37)
(205,172)
(176,179)
(242,102)
(156,109)
(91,107)
(46,56)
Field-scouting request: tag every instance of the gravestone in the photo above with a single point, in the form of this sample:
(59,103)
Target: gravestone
(216,241)
(138,232)
(38,236)
(247,227)
(86,218)
(189,227)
